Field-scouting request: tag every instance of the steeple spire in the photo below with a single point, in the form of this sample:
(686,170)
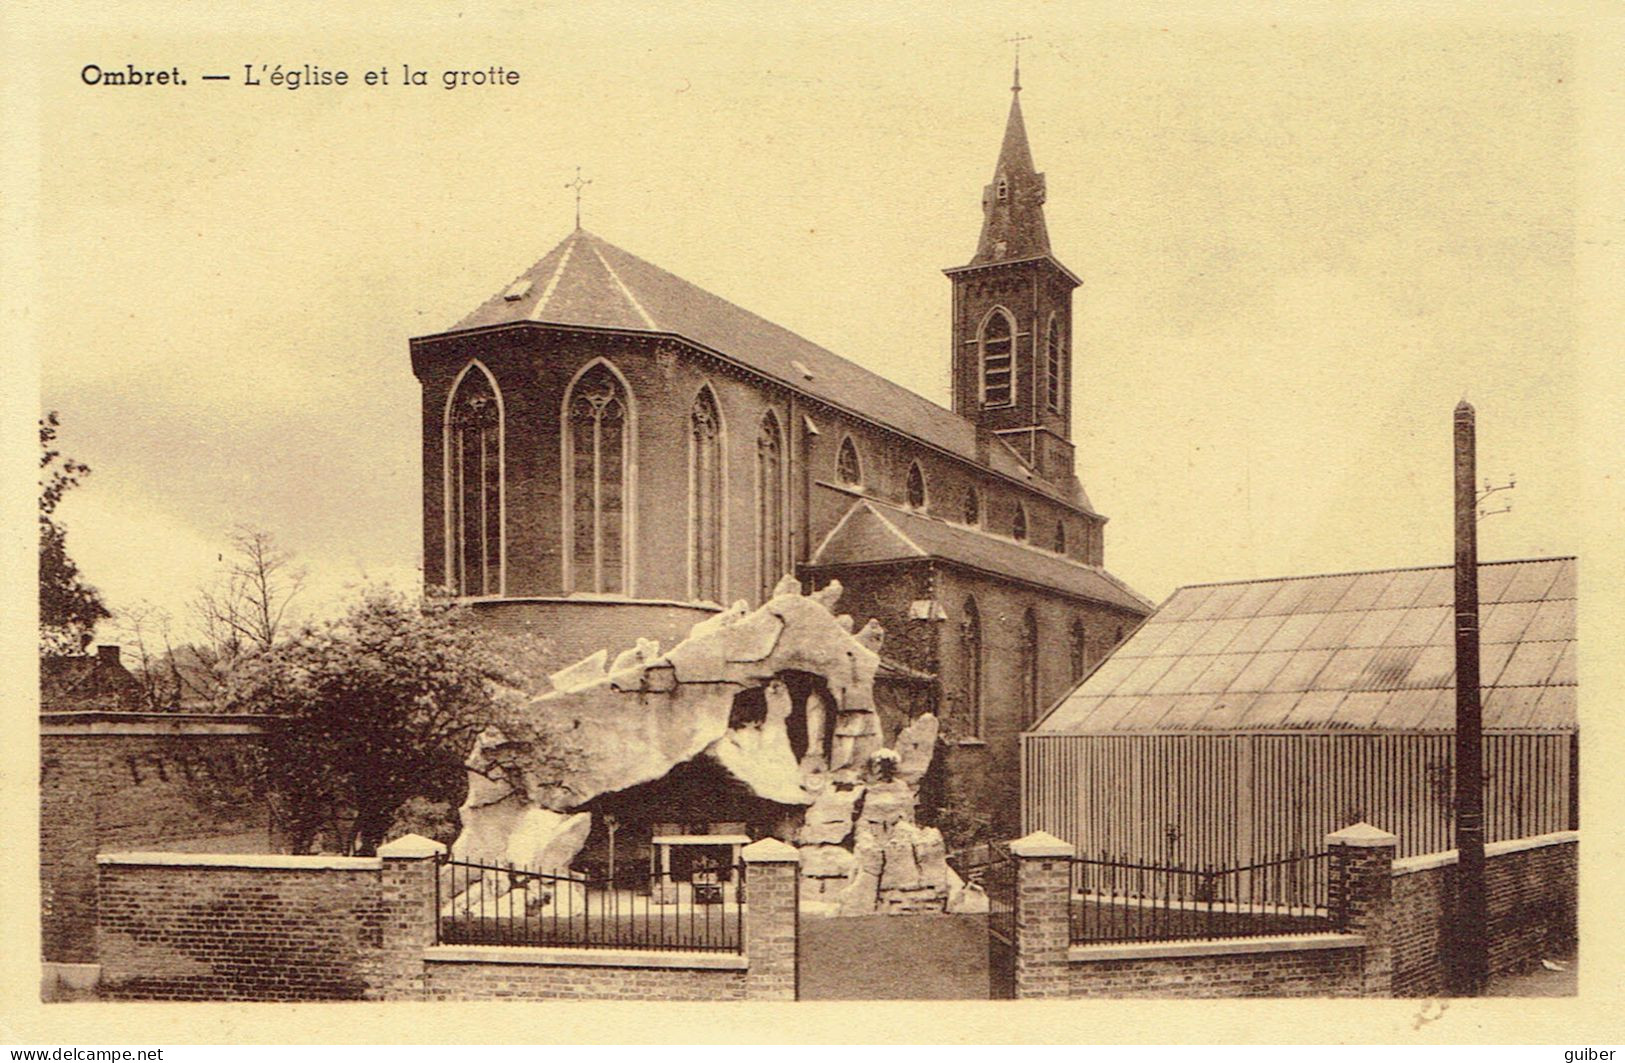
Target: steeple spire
(1012,324)
(1013,205)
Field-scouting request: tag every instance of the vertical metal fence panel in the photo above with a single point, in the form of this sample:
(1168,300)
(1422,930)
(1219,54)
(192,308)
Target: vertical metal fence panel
(1181,798)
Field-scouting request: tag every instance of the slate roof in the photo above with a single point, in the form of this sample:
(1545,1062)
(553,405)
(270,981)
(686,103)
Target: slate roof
(873,531)
(1013,227)
(86,681)
(1360,650)
(587,281)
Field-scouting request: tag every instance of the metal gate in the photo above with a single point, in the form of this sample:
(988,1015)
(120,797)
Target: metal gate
(990,867)
(998,880)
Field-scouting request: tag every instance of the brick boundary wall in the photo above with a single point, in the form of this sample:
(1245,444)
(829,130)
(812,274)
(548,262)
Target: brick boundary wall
(496,973)
(1533,895)
(176,927)
(1300,965)
(183,926)
(1342,964)
(126,780)
(1308,965)
(1389,918)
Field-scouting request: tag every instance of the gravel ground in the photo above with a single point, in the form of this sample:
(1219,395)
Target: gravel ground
(1540,982)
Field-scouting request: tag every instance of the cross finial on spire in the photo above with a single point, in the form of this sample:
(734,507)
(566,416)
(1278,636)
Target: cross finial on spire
(578,184)
(1015,85)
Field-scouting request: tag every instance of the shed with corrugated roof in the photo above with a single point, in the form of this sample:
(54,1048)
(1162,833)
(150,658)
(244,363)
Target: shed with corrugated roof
(1244,721)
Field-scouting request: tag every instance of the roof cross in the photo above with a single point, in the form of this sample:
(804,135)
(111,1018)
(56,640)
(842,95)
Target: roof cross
(1016,40)
(578,184)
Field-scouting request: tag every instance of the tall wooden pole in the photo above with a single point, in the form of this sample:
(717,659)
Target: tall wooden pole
(1469,947)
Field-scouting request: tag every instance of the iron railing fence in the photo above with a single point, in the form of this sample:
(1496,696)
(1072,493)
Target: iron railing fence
(500,904)
(1117,900)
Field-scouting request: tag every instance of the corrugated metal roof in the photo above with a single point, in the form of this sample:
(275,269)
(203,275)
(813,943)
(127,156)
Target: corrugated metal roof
(590,282)
(1355,650)
(873,531)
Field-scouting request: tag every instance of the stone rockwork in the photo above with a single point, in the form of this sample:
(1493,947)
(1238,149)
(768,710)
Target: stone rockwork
(895,865)
(631,720)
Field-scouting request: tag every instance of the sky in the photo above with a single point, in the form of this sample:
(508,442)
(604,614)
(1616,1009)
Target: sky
(1302,241)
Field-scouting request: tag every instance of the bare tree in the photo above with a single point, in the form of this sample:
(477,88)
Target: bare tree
(170,676)
(246,606)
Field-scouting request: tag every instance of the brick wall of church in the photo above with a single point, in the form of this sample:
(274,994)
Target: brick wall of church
(533,368)
(982,769)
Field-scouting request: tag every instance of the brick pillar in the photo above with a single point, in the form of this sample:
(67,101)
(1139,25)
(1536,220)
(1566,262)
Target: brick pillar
(1362,898)
(1043,914)
(772,878)
(407,916)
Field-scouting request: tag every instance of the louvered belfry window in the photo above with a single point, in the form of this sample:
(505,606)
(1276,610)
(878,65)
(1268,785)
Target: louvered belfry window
(1052,366)
(998,367)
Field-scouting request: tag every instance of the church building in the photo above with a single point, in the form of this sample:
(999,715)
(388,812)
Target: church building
(610,452)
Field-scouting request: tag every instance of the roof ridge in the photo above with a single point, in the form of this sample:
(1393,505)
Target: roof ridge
(1364,572)
(996,537)
(553,281)
(900,533)
(819,549)
(1099,570)
(626,293)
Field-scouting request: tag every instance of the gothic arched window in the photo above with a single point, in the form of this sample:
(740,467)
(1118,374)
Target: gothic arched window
(973,507)
(598,441)
(1029,668)
(770,522)
(846,464)
(998,363)
(1052,365)
(473,444)
(1080,652)
(1018,529)
(705,481)
(916,486)
(970,644)
(1060,536)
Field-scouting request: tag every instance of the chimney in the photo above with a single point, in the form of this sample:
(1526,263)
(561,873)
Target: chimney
(107,655)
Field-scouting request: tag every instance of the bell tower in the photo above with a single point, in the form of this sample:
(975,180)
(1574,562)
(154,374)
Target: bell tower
(1012,316)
